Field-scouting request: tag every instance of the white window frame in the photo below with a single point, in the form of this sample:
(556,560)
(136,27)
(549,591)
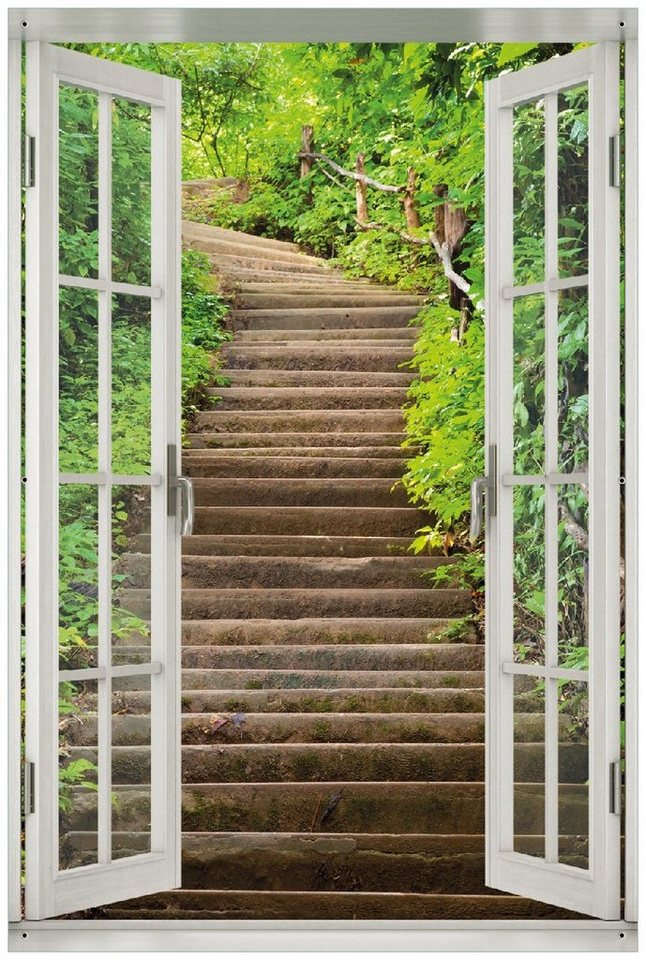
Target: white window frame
(49,891)
(217,25)
(595,891)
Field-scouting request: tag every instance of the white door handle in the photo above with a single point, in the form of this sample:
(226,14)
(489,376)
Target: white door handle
(478,488)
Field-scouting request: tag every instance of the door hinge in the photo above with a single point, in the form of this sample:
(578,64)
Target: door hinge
(614,161)
(616,781)
(28,794)
(29,162)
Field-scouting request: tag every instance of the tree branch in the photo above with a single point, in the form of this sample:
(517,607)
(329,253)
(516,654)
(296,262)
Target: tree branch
(369,182)
(442,250)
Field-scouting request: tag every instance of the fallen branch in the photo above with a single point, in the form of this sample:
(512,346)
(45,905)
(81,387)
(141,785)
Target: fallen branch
(362,178)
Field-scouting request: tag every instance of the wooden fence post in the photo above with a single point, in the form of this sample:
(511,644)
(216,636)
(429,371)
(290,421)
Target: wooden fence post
(361,190)
(410,208)
(307,146)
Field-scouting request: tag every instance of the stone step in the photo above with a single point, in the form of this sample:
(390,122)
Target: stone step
(246,261)
(296,421)
(298,299)
(236,273)
(293,604)
(298,441)
(285,492)
(359,452)
(298,572)
(218,247)
(193,228)
(360,336)
(260,284)
(318,356)
(366,807)
(423,656)
(308,700)
(311,398)
(332,631)
(395,318)
(232,545)
(312,762)
(242,680)
(312,521)
(416,863)
(204,465)
(283,905)
(242,377)
(209,728)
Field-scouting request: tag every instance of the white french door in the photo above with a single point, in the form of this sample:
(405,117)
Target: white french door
(553,489)
(102,747)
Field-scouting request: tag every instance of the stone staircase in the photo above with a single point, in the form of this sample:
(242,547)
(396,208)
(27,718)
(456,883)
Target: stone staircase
(333,698)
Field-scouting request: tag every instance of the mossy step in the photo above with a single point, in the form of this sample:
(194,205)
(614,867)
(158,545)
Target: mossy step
(234,545)
(292,421)
(333,631)
(204,465)
(340,317)
(209,728)
(241,680)
(318,356)
(300,442)
(241,377)
(385,700)
(205,452)
(311,398)
(233,763)
(299,299)
(359,336)
(356,807)
(281,905)
(299,492)
(421,656)
(283,603)
(311,521)
(307,572)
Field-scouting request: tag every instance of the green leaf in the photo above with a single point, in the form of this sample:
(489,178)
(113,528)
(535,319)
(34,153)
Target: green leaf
(512,51)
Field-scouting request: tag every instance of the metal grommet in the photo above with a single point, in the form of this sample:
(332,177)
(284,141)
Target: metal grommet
(24,23)
(622,935)
(622,481)
(23,479)
(622,24)
(24,935)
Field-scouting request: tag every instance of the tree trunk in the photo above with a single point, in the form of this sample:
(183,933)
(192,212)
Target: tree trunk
(361,190)
(410,208)
(451,226)
(307,146)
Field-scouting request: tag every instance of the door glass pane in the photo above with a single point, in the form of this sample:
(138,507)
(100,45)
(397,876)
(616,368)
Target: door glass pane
(78,379)
(573,373)
(131,575)
(573,166)
(529,574)
(529,766)
(131,385)
(78,605)
(529,384)
(78,173)
(131,757)
(573,586)
(77,774)
(573,797)
(529,192)
(131,182)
